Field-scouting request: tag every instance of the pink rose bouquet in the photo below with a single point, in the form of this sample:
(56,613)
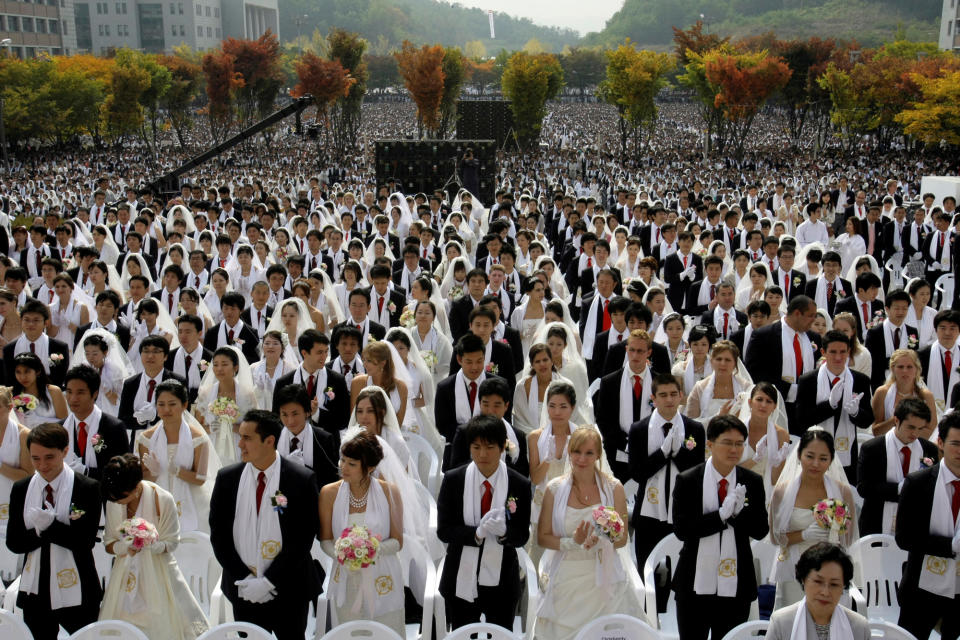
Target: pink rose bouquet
(357,548)
(139,533)
(608,523)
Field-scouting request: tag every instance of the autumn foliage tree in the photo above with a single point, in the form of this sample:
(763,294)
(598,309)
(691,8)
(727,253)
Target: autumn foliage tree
(348,49)
(325,80)
(258,63)
(422,73)
(633,79)
(456,71)
(528,81)
(222,83)
(934,118)
(482,73)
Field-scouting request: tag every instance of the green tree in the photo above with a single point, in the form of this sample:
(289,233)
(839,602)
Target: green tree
(935,117)
(348,48)
(528,82)
(383,72)
(583,67)
(186,78)
(455,73)
(475,49)
(155,92)
(123,110)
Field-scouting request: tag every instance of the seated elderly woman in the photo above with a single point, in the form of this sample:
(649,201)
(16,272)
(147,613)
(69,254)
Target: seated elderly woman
(824,570)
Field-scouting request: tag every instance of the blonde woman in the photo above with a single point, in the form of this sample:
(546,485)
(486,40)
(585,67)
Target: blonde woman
(905,381)
(860,358)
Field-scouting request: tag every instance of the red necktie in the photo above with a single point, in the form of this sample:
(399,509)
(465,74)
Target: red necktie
(866,317)
(424,254)
(726,319)
(63,254)
(82,438)
(259,317)
(33,348)
(221,262)
(188,360)
(473,395)
(49,498)
(606,315)
(896,338)
(486,499)
(684,262)
(51,295)
(619,337)
(829,291)
(170,303)
(722,489)
(658,235)
(39,260)
(150,387)
(196,280)
(948,363)
(771,265)
(379,306)
(786,286)
(798,355)
(589,262)
(906,460)
(261,485)
(713,291)
(955,501)
(311,386)
(754,256)
(637,387)
(230,336)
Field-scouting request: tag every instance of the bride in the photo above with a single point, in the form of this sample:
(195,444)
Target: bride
(290,320)
(100,350)
(753,287)
(227,382)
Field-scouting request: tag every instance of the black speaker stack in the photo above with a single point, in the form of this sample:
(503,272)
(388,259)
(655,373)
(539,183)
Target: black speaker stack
(425,165)
(484,120)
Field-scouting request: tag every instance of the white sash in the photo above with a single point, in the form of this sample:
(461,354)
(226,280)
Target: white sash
(655,496)
(89,455)
(839,624)
(257,537)
(64,576)
(716,572)
(941,392)
(9,455)
(467,577)
(183,458)
(895,473)
(590,329)
(305,455)
(463,398)
(939,575)
(626,397)
(846,433)
(820,297)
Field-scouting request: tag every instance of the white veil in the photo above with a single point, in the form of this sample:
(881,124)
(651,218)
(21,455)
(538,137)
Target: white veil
(144,271)
(657,319)
(110,252)
(290,350)
(333,313)
(557,285)
(167,261)
(851,275)
(370,254)
(800,264)
(246,399)
(447,283)
(116,367)
(574,367)
(424,417)
(745,287)
(406,218)
(180,212)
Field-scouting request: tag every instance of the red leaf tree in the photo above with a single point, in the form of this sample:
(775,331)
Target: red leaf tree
(326,81)
(223,82)
(422,73)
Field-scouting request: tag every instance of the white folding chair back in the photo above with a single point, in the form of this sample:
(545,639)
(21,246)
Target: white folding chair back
(894,266)
(9,562)
(10,598)
(434,546)
(198,565)
(482,631)
(104,563)
(764,555)
(944,286)
(13,628)
(748,630)
(109,630)
(220,608)
(532,604)
(889,631)
(618,626)
(669,547)
(364,629)
(426,461)
(439,605)
(878,568)
(236,631)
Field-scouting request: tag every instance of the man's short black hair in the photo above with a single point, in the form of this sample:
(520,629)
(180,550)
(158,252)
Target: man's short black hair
(50,435)
(835,336)
(912,407)
(495,387)
(346,331)
(895,296)
(268,424)
(233,299)
(469,343)
(867,280)
(486,429)
(719,425)
(110,296)
(947,315)
(292,394)
(191,319)
(309,338)
(85,373)
(156,341)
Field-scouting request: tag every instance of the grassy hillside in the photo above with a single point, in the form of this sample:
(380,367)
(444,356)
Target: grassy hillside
(386,23)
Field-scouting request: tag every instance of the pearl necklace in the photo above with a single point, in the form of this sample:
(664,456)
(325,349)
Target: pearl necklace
(359,503)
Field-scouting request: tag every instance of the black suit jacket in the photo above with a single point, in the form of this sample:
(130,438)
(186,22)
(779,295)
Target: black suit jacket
(913,526)
(168,364)
(672,267)
(889,233)
(149,259)
(459,454)
(399,301)
(248,319)
(122,333)
(707,319)
(872,482)
(333,415)
(765,357)
(512,336)
(129,394)
(849,304)
(58,370)
(247,334)
(452,530)
(501,356)
(690,305)
(326,455)
(445,406)
(292,572)
(460,316)
(79,536)
(114,434)
(796,288)
(376,330)
(606,405)
(876,345)
(911,247)
(617,357)
(811,292)
(690,524)
(877,241)
(643,466)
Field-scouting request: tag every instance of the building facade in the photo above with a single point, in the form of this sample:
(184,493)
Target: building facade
(35,28)
(950,25)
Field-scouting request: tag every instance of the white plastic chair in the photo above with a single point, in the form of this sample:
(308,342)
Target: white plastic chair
(104,563)
(221,610)
(198,565)
(618,626)
(10,598)
(890,631)
(894,266)
(666,623)
(233,631)
(367,629)
(944,286)
(13,628)
(764,555)
(426,461)
(482,631)
(877,570)
(113,629)
(434,546)
(748,630)
(9,562)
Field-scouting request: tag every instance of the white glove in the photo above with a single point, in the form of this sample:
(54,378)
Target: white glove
(297,456)
(140,331)
(389,547)
(728,506)
(77,465)
(146,413)
(780,456)
(852,406)
(836,395)
(741,494)
(677,437)
(256,590)
(956,543)
(151,462)
(760,453)
(667,446)
(498,523)
(158,547)
(917,256)
(121,547)
(815,533)
(41,518)
(690,273)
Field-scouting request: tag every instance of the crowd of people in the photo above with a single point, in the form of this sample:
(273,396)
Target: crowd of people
(764,348)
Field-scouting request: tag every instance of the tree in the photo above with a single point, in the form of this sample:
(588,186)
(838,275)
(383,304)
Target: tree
(154,93)
(583,67)
(185,82)
(534,46)
(475,49)
(122,111)
(528,82)
(258,63)
(223,81)
(455,73)
(348,48)
(383,72)
(934,118)
(483,73)
(633,79)
(695,78)
(802,95)
(695,40)
(743,82)
(422,73)
(325,80)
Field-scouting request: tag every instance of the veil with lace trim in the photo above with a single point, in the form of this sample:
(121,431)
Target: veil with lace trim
(246,399)
(290,350)
(424,415)
(116,368)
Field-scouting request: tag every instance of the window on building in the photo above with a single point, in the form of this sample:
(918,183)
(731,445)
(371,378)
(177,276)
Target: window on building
(31,52)
(199,32)
(54,26)
(216,12)
(949,28)
(208,12)
(173,9)
(41,25)
(64,27)
(180,8)
(27,25)
(13,24)
(199,10)
(100,30)
(173,29)
(106,30)
(57,51)
(209,32)
(3,23)
(183,31)
(218,33)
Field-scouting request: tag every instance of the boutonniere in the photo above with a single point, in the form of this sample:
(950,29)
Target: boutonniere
(504,341)
(492,369)
(267,320)
(510,505)
(329,393)
(796,281)
(279,502)
(926,462)
(99,444)
(391,307)
(239,342)
(690,443)
(56,358)
(202,365)
(912,341)
(75,513)
(512,287)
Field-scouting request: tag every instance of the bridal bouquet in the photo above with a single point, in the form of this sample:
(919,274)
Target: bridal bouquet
(226,410)
(24,403)
(429,358)
(456,292)
(139,533)
(406,318)
(833,515)
(608,523)
(357,548)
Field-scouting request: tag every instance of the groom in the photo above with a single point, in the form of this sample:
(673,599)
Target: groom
(263,519)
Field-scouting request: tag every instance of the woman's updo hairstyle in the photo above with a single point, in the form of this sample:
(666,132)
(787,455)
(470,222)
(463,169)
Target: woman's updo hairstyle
(120,476)
(363,447)
(816,433)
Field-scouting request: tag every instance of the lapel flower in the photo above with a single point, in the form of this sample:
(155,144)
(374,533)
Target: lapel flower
(504,341)
(690,443)
(56,358)
(203,365)
(99,444)
(279,502)
(511,505)
(912,341)
(75,513)
(512,287)
(329,393)
(926,462)
(796,281)
(391,307)
(492,369)
(238,342)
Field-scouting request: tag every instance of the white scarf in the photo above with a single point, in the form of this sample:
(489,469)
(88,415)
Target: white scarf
(377,520)
(655,496)
(9,455)
(820,297)
(258,538)
(547,445)
(839,624)
(470,558)
(716,572)
(783,568)
(608,570)
(939,575)
(463,398)
(590,329)
(706,397)
(304,456)
(64,576)
(690,374)
(846,432)
(93,425)
(732,323)
(895,473)
(182,459)
(941,391)
(626,397)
